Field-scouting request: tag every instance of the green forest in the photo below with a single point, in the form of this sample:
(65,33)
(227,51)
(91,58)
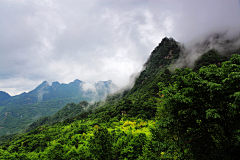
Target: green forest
(20,111)
(185,114)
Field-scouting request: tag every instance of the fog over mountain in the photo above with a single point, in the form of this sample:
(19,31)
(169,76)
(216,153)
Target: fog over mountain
(100,40)
(225,42)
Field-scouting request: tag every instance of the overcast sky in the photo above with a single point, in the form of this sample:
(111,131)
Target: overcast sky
(96,40)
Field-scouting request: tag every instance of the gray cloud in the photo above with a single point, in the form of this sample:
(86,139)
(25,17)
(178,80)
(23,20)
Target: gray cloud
(96,40)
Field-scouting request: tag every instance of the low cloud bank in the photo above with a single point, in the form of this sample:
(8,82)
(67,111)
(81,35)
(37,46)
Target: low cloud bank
(226,42)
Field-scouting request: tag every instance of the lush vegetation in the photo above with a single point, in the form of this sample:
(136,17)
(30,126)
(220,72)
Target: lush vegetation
(203,111)
(81,140)
(189,114)
(17,112)
(70,110)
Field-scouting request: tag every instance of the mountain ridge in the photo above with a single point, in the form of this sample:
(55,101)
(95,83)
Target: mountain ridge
(45,100)
(171,48)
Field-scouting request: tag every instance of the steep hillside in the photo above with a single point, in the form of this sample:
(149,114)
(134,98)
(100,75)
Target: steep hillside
(18,111)
(181,115)
(161,57)
(69,111)
(131,102)
(211,57)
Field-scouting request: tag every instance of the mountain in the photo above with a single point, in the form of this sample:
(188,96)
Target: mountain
(146,86)
(210,57)
(102,88)
(18,111)
(184,114)
(130,101)
(4,96)
(44,92)
(69,111)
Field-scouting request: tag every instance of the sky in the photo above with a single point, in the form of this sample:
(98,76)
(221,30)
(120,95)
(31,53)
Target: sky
(96,40)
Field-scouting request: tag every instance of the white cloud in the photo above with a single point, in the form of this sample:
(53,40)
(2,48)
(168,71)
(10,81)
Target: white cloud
(89,86)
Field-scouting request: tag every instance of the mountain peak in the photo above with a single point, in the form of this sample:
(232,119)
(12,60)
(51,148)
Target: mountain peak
(4,95)
(44,83)
(167,51)
(77,81)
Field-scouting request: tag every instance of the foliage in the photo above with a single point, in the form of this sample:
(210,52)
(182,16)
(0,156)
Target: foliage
(203,111)
(82,140)
(70,110)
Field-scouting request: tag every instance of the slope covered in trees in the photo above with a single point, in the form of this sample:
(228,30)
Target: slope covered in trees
(183,115)
(70,110)
(19,111)
(211,57)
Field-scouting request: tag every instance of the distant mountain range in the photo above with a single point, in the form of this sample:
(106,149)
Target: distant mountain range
(18,111)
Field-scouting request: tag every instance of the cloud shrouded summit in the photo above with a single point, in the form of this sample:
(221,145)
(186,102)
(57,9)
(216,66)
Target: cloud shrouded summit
(96,40)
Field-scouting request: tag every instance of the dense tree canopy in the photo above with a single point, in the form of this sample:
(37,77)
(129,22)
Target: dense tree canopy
(203,111)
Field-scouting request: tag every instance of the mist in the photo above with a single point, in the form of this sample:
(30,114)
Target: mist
(226,42)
